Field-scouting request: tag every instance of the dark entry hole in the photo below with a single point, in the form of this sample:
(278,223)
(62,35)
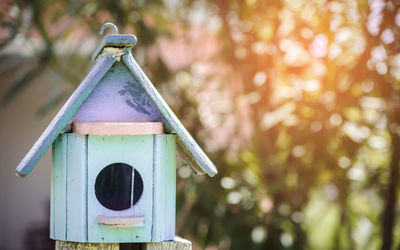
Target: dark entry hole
(114,186)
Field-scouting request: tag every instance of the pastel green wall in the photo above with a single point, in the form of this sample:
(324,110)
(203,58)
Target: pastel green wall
(77,160)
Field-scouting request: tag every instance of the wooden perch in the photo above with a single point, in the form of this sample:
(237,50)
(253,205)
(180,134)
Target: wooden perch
(127,221)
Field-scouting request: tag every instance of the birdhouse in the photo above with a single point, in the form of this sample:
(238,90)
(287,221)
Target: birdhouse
(113,148)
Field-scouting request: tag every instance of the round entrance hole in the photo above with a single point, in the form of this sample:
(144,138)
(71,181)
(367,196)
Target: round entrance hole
(118,186)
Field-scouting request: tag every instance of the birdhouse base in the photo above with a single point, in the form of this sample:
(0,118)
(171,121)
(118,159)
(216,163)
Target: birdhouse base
(178,243)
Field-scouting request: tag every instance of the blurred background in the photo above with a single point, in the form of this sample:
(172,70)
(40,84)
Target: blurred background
(296,102)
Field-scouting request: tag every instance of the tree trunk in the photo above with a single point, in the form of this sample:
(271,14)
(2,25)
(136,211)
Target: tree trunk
(389,214)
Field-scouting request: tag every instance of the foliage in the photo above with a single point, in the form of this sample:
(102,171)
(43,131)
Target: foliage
(297,103)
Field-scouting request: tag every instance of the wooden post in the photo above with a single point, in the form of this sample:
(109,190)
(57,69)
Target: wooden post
(177,244)
(65,245)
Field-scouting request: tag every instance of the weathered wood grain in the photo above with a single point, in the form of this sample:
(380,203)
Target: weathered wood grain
(65,114)
(118,128)
(176,244)
(192,152)
(136,151)
(164,188)
(120,221)
(120,40)
(76,188)
(59,202)
(68,245)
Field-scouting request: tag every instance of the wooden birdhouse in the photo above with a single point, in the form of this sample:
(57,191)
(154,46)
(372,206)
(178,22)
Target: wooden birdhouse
(113,149)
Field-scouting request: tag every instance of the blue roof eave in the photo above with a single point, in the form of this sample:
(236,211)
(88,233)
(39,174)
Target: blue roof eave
(65,114)
(193,154)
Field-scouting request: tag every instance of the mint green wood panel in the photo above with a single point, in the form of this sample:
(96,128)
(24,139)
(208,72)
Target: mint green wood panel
(164,188)
(136,151)
(53,153)
(76,188)
(60,176)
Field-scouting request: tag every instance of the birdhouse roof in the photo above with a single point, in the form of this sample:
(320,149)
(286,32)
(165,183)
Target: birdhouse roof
(117,48)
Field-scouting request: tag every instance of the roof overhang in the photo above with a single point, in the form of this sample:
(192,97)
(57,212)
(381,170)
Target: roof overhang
(118,48)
